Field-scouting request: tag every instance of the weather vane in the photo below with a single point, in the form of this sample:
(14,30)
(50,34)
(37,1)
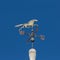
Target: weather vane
(30,24)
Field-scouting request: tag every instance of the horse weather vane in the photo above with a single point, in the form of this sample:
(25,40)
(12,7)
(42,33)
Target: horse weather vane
(30,24)
(33,27)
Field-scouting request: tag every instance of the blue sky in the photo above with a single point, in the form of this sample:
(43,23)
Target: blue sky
(12,45)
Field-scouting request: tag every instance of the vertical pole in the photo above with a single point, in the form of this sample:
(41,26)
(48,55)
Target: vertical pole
(32,51)
(32,44)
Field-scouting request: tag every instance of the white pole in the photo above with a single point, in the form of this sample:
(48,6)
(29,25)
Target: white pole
(32,54)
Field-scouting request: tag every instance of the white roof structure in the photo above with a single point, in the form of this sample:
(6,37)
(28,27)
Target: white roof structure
(32,54)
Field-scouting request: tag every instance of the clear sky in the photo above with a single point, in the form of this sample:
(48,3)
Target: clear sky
(12,45)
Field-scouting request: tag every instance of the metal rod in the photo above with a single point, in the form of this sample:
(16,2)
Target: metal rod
(32,44)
